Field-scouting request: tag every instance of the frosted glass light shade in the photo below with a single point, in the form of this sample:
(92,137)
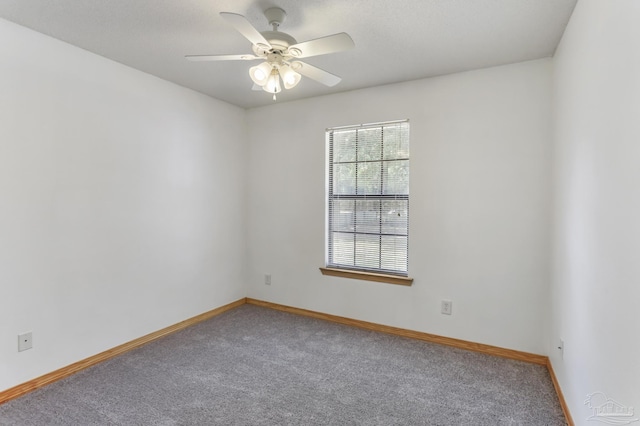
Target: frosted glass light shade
(273,83)
(290,78)
(260,73)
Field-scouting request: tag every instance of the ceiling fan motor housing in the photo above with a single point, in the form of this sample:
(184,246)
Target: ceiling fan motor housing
(279,41)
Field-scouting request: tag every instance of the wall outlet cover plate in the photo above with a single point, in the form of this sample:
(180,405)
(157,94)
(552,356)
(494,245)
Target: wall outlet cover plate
(25,341)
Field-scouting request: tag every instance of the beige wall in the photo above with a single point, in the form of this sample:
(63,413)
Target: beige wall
(121,200)
(595,290)
(479,209)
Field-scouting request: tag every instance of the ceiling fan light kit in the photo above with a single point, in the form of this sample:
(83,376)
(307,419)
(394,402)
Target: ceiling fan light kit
(280,53)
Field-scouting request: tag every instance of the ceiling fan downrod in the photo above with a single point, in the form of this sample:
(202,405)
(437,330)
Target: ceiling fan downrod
(275,16)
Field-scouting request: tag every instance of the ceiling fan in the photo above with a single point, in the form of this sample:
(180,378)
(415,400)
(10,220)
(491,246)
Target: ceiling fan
(280,53)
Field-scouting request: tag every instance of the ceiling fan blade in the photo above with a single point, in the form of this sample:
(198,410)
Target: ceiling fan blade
(315,73)
(321,46)
(245,28)
(200,58)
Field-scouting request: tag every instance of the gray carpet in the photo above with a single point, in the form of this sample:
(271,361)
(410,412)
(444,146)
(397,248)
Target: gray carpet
(256,366)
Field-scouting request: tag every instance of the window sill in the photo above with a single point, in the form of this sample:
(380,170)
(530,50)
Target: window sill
(368,276)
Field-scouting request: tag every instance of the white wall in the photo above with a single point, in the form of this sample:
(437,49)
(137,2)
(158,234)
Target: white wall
(596,267)
(121,200)
(479,210)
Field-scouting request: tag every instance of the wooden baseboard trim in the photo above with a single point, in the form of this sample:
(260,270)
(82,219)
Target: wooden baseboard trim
(462,344)
(67,371)
(563,403)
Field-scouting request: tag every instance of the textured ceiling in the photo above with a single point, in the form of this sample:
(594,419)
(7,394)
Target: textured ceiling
(395,40)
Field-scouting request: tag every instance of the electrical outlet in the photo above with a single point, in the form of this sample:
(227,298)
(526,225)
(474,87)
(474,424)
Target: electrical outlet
(267,279)
(446,307)
(561,348)
(25,341)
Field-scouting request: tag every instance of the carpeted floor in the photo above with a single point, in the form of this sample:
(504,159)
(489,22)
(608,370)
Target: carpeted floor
(256,366)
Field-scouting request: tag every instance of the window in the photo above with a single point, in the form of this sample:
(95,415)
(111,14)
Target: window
(368,198)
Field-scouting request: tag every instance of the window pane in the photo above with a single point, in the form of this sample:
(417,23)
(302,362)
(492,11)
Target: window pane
(396,177)
(368,216)
(370,144)
(342,249)
(396,142)
(369,178)
(394,217)
(343,215)
(344,179)
(394,251)
(344,146)
(367,251)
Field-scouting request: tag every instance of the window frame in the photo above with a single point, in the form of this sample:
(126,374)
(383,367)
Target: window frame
(353,271)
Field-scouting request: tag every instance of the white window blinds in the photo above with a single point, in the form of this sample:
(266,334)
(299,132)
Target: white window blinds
(368,197)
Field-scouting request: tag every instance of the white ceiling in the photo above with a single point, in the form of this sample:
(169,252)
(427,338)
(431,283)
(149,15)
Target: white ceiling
(395,40)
